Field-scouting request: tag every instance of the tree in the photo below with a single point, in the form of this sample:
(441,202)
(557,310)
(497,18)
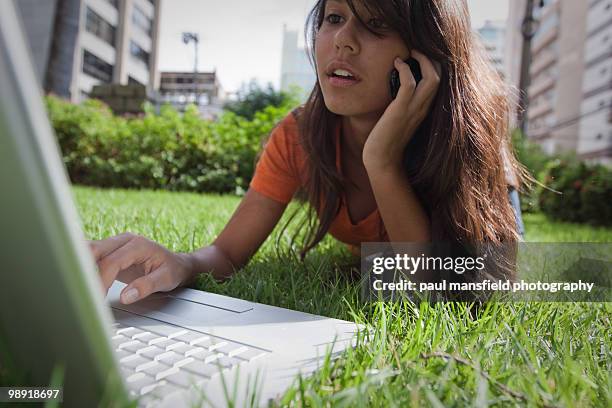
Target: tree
(254,98)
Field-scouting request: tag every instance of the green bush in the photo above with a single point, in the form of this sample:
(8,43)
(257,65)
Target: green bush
(253,98)
(596,196)
(532,156)
(582,193)
(166,151)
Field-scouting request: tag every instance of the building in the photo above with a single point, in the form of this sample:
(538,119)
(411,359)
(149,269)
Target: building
(182,88)
(117,42)
(296,69)
(513,49)
(570,64)
(556,74)
(493,37)
(595,141)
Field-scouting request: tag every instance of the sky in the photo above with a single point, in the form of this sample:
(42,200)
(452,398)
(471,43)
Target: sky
(242,39)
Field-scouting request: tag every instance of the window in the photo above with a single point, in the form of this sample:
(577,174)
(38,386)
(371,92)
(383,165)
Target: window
(96,67)
(138,53)
(140,20)
(100,27)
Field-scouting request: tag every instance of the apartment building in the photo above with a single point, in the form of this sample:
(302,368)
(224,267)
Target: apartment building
(117,41)
(200,88)
(493,37)
(556,74)
(570,75)
(595,137)
(296,69)
(512,53)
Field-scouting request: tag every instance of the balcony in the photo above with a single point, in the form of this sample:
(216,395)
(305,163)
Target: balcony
(539,110)
(189,87)
(542,40)
(542,61)
(540,85)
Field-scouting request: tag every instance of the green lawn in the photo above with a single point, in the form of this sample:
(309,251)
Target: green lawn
(540,229)
(555,354)
(521,354)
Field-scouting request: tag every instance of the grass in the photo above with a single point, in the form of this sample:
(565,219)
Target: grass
(506,354)
(540,229)
(539,354)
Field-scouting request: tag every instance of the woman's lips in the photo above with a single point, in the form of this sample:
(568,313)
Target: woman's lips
(342,82)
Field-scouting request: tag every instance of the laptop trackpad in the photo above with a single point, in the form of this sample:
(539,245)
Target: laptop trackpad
(212,299)
(177,311)
(182,306)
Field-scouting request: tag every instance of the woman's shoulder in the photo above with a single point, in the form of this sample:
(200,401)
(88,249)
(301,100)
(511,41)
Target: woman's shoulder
(286,132)
(289,124)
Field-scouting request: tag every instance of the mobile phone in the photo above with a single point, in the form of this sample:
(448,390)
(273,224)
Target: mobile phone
(394,82)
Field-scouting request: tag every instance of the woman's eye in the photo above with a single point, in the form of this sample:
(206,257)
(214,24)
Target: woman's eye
(377,23)
(333,18)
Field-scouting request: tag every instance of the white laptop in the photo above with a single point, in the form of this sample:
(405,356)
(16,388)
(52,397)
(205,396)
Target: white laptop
(181,348)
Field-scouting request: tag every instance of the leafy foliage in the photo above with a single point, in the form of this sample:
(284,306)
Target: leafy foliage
(166,151)
(254,98)
(573,191)
(531,156)
(582,193)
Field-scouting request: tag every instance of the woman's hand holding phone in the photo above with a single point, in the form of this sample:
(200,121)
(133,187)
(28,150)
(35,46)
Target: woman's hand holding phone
(144,265)
(385,145)
(394,81)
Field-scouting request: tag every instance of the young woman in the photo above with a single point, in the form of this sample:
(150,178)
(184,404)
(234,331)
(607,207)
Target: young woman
(433,164)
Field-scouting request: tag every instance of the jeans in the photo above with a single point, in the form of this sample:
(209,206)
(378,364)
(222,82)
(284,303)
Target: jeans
(516,205)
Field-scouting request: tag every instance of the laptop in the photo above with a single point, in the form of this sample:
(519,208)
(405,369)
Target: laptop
(180,348)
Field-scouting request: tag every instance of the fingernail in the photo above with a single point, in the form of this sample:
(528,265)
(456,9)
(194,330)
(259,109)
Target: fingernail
(130,296)
(398,60)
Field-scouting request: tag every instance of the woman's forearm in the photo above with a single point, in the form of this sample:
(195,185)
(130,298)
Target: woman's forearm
(403,215)
(210,259)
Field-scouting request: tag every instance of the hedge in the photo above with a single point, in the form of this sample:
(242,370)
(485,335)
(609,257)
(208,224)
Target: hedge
(577,191)
(167,151)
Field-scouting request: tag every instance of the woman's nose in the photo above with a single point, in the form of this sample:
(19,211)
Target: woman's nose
(346,36)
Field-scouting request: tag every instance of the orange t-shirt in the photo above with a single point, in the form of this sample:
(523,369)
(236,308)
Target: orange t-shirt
(281,170)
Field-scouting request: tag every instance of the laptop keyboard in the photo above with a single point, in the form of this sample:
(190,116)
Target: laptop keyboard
(164,358)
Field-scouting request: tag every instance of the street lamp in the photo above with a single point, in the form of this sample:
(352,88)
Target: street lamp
(528,29)
(195,38)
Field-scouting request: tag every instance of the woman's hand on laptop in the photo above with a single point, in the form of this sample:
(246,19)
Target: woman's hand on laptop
(144,265)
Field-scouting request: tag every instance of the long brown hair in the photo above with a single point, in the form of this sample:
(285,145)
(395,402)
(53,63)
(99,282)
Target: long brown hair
(454,162)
